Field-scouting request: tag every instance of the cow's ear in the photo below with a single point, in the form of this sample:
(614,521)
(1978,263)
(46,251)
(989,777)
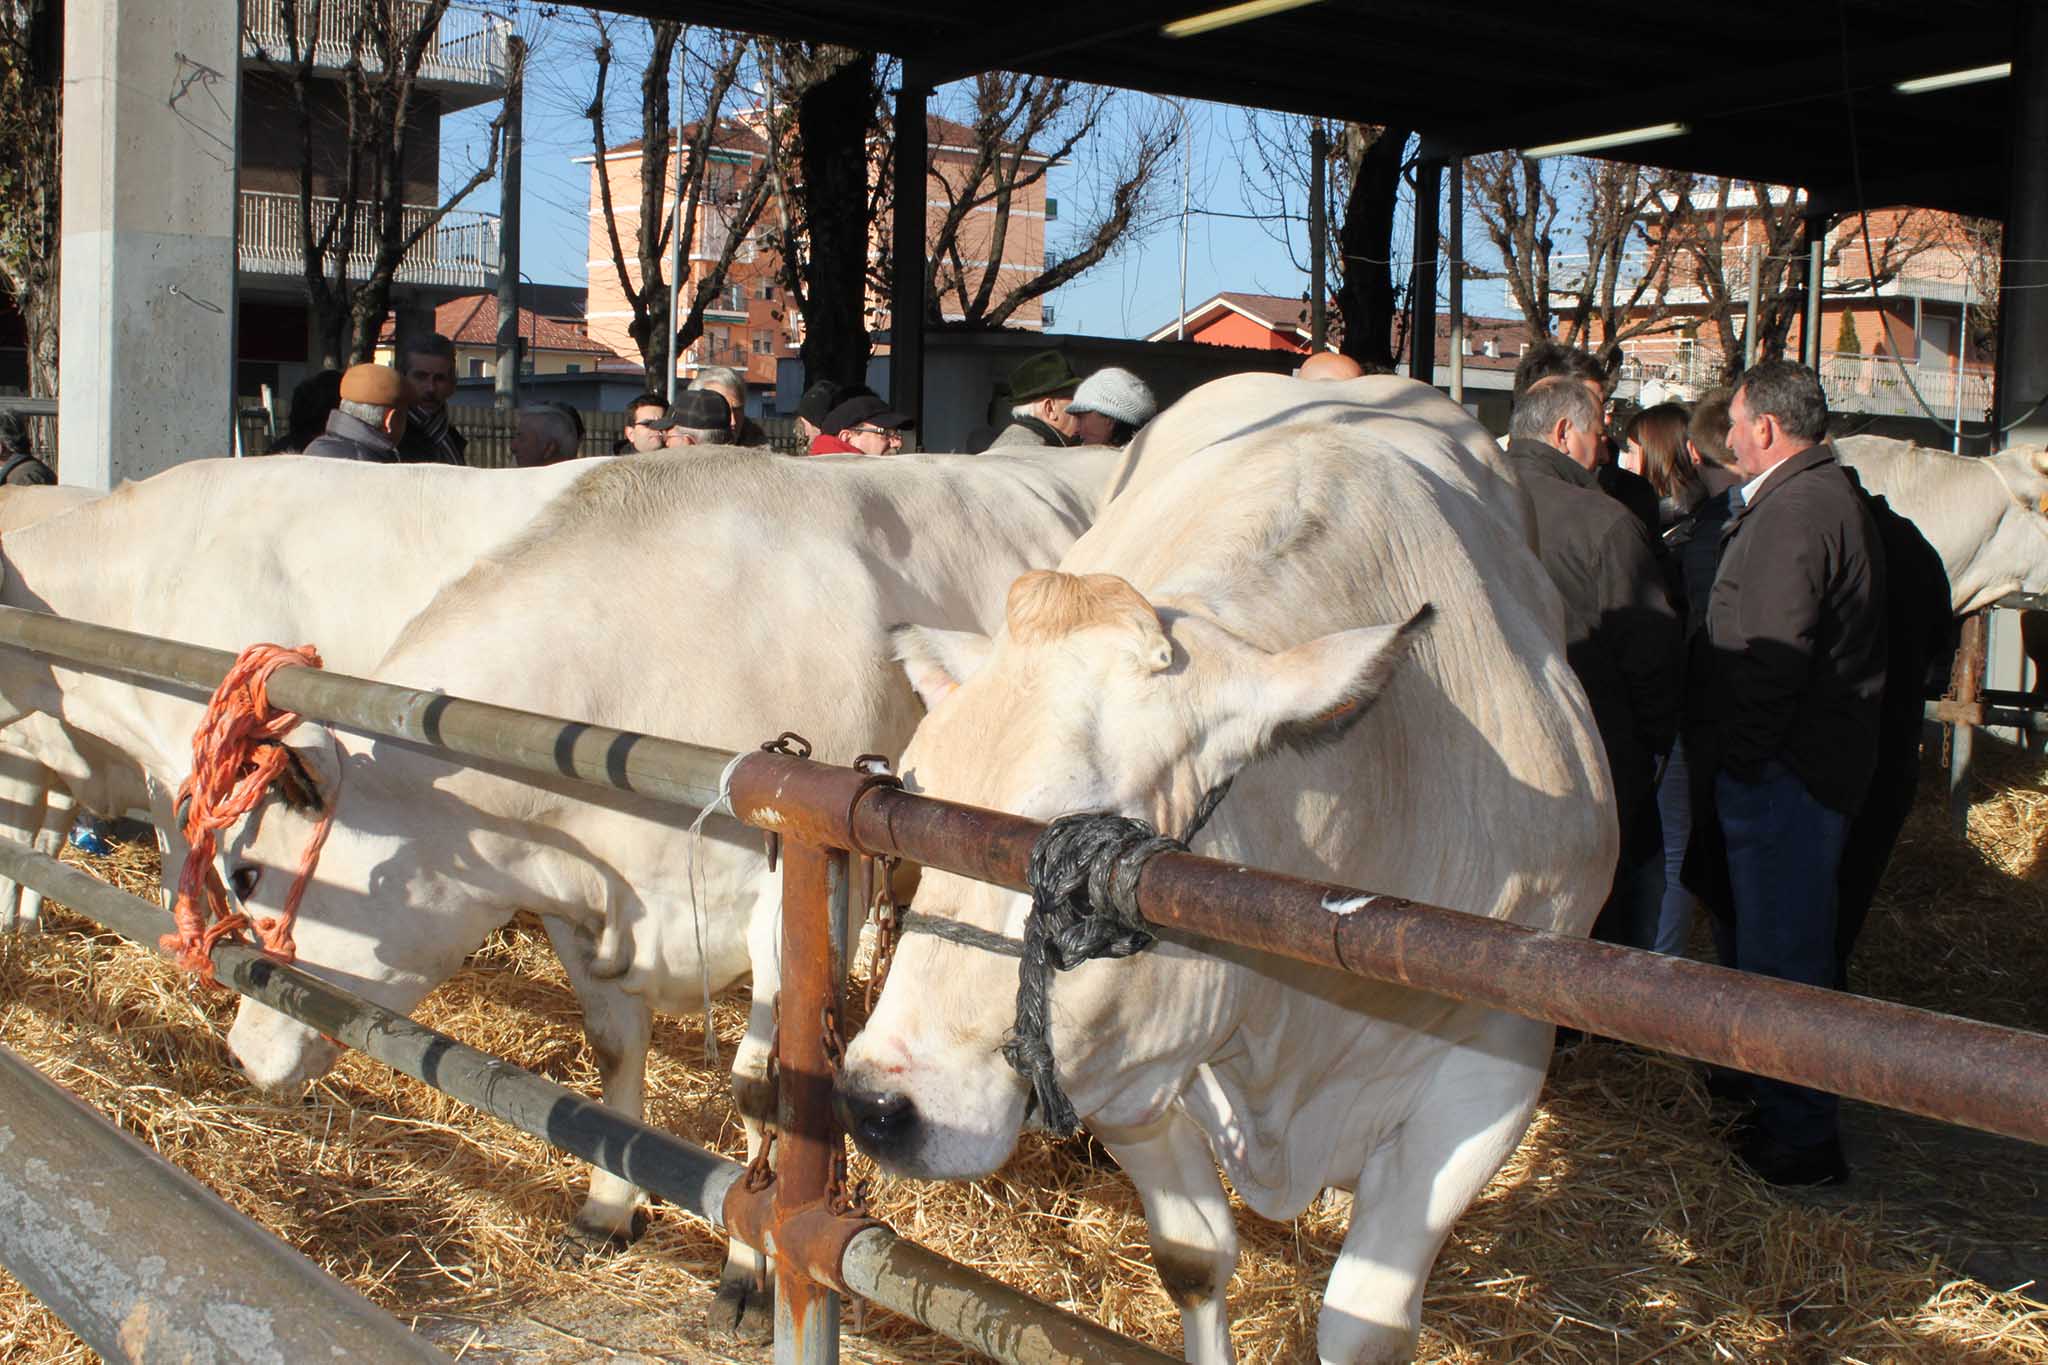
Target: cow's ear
(1311,694)
(312,777)
(938,661)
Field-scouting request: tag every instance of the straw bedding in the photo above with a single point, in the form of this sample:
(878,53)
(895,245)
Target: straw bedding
(1619,1232)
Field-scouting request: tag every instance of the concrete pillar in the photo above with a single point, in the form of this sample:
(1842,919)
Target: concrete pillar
(146,341)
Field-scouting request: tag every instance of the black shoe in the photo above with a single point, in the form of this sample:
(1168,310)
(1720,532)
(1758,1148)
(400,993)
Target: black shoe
(1776,1163)
(1729,1086)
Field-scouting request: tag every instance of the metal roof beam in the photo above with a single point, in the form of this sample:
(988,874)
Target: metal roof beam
(1046,34)
(1784,86)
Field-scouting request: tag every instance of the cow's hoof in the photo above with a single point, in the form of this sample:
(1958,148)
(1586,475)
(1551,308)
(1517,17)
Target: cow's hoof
(743,1307)
(581,1243)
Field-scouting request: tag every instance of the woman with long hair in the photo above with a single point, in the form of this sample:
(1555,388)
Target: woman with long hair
(1653,445)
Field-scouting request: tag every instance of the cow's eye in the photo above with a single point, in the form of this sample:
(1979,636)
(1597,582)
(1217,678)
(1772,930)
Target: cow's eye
(242,881)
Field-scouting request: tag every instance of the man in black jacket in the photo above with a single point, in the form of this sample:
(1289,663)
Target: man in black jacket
(427,361)
(1794,673)
(1621,635)
(1553,360)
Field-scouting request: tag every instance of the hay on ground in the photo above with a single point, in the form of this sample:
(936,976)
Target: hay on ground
(1619,1231)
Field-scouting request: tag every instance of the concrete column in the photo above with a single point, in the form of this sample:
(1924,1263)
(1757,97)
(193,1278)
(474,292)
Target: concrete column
(146,341)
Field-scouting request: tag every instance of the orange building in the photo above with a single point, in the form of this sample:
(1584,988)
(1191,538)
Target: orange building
(751,325)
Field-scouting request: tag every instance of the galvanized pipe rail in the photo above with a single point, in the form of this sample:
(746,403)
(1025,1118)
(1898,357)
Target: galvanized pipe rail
(1958,1070)
(874,1263)
(148,1265)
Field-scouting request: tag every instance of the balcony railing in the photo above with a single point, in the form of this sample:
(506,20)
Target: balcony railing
(1876,384)
(1931,276)
(459,252)
(468,48)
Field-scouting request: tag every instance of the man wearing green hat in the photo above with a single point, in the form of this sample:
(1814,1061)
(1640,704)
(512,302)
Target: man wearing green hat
(1040,389)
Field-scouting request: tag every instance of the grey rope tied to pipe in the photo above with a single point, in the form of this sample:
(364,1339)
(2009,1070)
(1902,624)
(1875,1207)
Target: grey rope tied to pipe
(1084,875)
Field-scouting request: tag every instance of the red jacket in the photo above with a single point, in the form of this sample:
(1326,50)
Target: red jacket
(823,444)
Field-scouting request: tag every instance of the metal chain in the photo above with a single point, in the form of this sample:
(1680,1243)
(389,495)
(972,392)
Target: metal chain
(886,914)
(796,746)
(845,1198)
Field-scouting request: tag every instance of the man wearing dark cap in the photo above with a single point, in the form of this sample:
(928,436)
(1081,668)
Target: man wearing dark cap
(370,422)
(699,418)
(862,425)
(1040,389)
(817,403)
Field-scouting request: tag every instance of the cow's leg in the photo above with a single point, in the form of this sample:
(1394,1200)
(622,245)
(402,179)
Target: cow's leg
(170,839)
(22,784)
(618,1027)
(1462,1124)
(745,1301)
(1188,1220)
(60,811)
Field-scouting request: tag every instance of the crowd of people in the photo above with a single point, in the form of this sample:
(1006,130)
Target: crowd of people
(398,413)
(1752,631)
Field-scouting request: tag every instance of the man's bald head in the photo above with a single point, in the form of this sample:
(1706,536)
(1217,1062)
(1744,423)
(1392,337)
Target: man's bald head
(1330,365)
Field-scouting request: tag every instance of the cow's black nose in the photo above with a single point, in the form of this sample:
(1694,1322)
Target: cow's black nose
(878,1123)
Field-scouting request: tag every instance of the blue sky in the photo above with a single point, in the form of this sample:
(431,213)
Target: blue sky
(1130,294)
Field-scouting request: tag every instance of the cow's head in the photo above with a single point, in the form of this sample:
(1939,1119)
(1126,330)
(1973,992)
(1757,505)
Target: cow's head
(372,920)
(1091,700)
(2017,555)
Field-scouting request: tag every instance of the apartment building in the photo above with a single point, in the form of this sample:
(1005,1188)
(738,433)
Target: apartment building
(466,63)
(751,326)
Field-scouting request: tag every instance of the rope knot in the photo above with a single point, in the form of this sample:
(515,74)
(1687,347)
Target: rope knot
(238,753)
(1084,873)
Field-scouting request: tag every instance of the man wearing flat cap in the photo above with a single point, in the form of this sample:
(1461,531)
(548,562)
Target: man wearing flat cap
(1040,389)
(370,422)
(700,417)
(817,404)
(862,425)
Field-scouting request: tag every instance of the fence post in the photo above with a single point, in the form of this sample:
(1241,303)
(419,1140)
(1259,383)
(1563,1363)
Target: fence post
(810,1150)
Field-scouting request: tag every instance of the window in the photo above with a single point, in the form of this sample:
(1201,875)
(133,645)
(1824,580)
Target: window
(764,344)
(768,293)
(572,368)
(1052,208)
(736,297)
(476,368)
(1045,315)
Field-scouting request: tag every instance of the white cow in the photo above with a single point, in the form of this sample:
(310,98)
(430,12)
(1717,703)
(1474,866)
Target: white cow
(223,553)
(718,598)
(35,807)
(1239,613)
(1983,515)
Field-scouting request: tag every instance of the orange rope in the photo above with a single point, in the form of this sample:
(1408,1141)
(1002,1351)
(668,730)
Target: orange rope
(237,752)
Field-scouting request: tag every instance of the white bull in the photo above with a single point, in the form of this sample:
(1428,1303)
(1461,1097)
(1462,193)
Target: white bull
(223,553)
(1237,613)
(1983,515)
(714,598)
(35,807)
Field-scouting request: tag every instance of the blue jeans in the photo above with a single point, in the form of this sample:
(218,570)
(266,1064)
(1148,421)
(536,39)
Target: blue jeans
(1784,852)
(1667,924)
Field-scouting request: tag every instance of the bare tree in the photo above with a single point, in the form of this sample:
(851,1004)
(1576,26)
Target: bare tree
(1614,285)
(1364,182)
(715,206)
(821,123)
(353,250)
(1017,129)
(1718,228)
(31,81)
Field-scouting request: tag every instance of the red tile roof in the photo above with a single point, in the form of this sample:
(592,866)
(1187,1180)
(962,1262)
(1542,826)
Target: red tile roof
(472,320)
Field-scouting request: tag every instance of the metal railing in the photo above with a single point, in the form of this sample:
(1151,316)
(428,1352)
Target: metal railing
(458,252)
(469,45)
(1957,1070)
(1879,384)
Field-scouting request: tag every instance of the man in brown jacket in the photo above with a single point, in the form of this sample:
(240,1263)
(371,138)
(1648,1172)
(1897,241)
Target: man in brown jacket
(1795,670)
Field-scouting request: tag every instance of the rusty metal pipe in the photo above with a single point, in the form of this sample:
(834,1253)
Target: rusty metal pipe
(807,1007)
(145,1263)
(1957,1070)
(543,746)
